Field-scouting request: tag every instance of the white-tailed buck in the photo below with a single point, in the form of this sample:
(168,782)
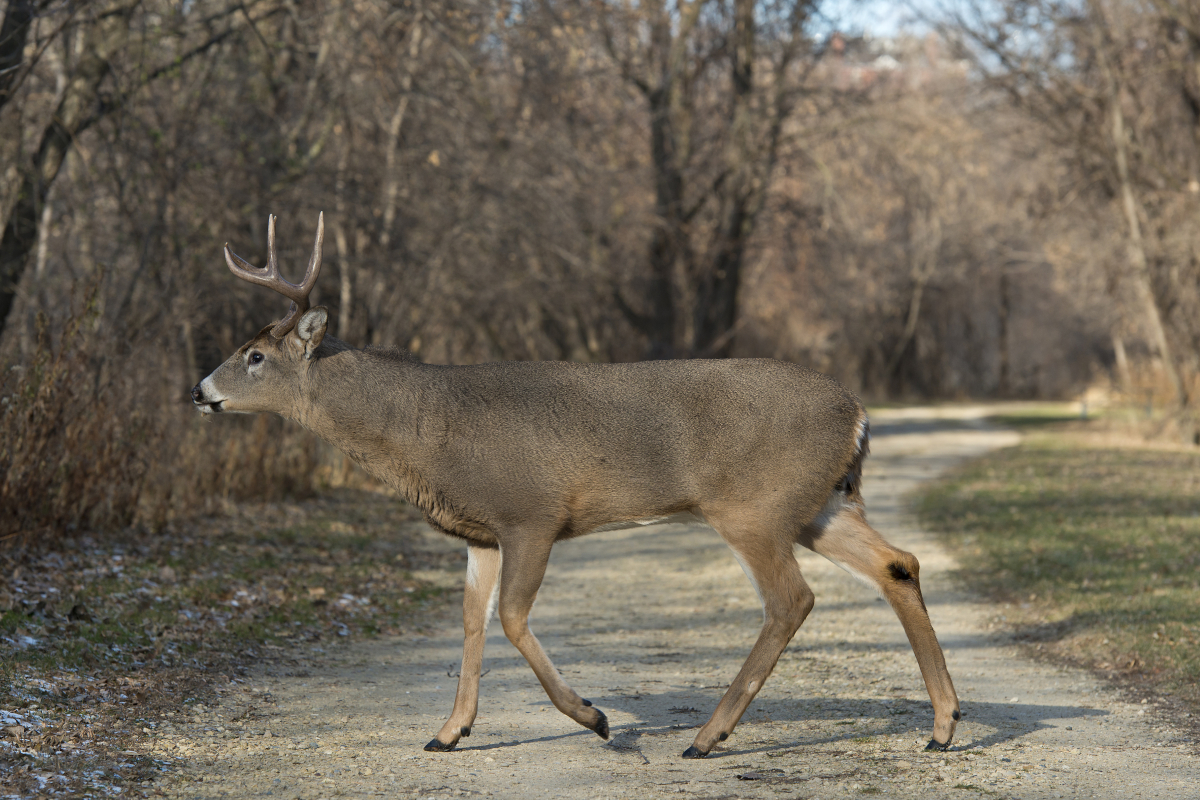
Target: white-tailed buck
(514,457)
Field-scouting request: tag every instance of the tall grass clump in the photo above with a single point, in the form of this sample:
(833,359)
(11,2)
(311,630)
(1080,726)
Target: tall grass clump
(69,454)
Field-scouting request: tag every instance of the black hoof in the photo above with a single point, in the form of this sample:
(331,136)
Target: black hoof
(934,744)
(601,727)
(435,746)
(692,752)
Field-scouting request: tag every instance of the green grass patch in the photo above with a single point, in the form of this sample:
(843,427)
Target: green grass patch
(1096,549)
(1028,418)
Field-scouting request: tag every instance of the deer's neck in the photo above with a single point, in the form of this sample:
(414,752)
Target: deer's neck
(386,412)
(366,405)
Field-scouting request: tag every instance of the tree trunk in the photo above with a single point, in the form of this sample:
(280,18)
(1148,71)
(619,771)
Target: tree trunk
(346,285)
(669,240)
(925,243)
(716,306)
(14,32)
(1124,380)
(1137,255)
(690,298)
(1129,205)
(77,110)
(1003,387)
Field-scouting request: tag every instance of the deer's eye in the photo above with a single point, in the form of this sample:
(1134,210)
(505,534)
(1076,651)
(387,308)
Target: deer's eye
(256,358)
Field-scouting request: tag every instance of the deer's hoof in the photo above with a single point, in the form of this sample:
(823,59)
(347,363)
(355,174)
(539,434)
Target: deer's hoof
(435,746)
(693,752)
(601,726)
(934,744)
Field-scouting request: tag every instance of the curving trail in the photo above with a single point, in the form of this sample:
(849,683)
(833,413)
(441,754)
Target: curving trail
(650,624)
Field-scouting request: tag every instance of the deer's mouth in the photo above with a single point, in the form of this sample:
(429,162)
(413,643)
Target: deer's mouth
(201,393)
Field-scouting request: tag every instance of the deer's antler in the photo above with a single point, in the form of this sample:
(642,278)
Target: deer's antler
(269,275)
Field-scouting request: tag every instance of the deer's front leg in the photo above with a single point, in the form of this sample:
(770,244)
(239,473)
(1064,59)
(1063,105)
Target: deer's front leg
(521,576)
(479,600)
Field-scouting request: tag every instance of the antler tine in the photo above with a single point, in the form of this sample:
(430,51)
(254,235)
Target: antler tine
(301,292)
(272,260)
(262,276)
(269,275)
(314,261)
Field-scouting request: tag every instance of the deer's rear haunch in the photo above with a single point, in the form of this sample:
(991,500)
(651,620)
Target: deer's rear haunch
(513,457)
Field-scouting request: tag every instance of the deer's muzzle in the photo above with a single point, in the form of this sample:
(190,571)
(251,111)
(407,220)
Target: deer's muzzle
(205,406)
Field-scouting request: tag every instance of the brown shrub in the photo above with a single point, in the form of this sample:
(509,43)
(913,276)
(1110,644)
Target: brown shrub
(65,457)
(87,442)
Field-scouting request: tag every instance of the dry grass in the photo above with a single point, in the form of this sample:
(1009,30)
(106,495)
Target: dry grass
(1090,535)
(63,461)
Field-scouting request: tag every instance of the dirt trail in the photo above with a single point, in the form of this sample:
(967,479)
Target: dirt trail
(650,624)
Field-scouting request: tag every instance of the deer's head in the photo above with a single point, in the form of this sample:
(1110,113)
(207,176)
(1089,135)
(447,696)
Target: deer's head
(264,374)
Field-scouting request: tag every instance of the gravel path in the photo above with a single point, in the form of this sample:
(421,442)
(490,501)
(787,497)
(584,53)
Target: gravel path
(650,624)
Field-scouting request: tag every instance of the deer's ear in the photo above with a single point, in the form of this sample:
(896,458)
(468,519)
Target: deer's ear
(311,329)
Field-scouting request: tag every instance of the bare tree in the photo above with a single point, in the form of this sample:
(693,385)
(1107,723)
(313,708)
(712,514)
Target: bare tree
(905,247)
(1113,82)
(718,81)
(99,33)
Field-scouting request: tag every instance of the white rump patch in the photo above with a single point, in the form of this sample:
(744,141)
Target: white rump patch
(860,433)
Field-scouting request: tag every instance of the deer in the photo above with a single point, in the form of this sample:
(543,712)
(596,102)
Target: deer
(513,457)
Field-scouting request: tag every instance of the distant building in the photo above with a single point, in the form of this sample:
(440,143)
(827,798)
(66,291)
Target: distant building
(903,62)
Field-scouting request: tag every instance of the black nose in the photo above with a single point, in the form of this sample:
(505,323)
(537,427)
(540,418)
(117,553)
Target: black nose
(197,395)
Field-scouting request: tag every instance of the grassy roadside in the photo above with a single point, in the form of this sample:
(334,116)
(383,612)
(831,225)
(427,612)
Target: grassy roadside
(102,639)
(1092,541)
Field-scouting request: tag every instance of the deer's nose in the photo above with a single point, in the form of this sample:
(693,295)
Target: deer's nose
(197,395)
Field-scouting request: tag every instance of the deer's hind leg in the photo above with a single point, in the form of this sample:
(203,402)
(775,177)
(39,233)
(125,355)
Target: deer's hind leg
(479,600)
(769,562)
(842,535)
